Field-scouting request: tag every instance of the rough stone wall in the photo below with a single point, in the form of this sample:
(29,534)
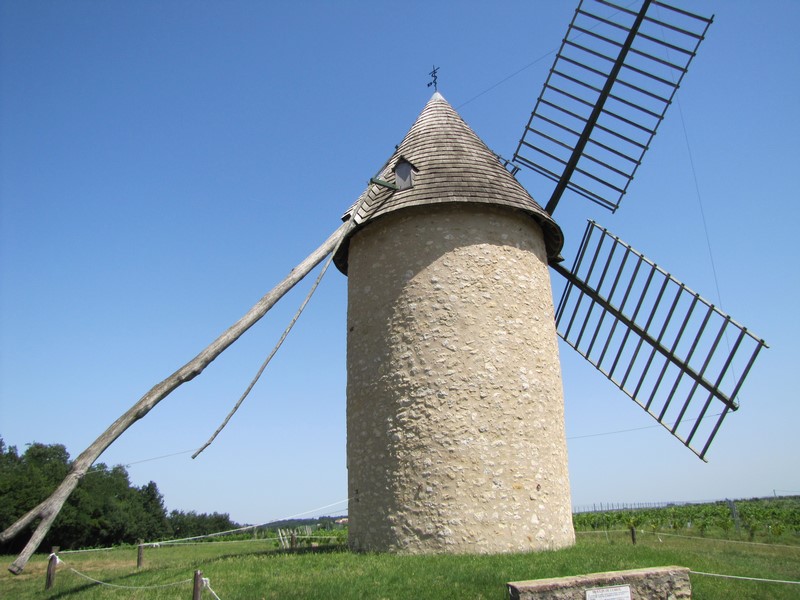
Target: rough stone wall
(455,423)
(657,583)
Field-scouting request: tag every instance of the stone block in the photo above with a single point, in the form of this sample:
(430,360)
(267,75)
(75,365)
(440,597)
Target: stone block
(662,583)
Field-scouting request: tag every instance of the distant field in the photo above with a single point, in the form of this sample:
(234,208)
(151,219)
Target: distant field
(247,570)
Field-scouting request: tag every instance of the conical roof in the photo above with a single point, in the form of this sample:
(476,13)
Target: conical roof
(451,164)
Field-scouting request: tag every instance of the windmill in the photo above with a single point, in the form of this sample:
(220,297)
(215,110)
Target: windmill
(463,449)
(658,341)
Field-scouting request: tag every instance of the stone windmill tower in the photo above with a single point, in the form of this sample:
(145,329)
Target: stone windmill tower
(454,399)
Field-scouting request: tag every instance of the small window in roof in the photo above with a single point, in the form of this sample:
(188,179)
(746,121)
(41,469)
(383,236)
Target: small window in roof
(404,173)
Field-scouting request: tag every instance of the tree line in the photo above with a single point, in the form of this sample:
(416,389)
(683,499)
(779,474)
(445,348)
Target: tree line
(105,509)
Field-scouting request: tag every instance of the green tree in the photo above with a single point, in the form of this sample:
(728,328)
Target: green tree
(104,510)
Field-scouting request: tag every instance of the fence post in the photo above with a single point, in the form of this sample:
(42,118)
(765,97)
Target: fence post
(50,578)
(140,555)
(197,590)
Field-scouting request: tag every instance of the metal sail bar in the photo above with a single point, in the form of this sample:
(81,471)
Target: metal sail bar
(668,349)
(610,85)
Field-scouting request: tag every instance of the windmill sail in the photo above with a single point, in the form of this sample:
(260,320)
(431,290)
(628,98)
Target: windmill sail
(611,83)
(667,348)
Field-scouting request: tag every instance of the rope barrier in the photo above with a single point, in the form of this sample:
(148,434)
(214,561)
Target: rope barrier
(694,537)
(207,582)
(116,585)
(207,585)
(745,578)
(198,537)
(82,550)
(720,575)
(241,529)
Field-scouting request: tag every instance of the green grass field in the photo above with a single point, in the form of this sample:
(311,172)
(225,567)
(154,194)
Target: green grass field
(254,570)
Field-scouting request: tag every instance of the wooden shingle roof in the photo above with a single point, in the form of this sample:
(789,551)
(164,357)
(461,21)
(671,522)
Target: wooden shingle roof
(452,164)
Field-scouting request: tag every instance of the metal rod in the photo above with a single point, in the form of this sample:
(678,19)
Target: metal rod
(570,168)
(746,371)
(579,64)
(551,138)
(650,318)
(588,276)
(588,50)
(549,154)
(633,318)
(666,44)
(560,125)
(597,36)
(598,287)
(713,433)
(603,20)
(575,266)
(613,151)
(706,362)
(544,87)
(586,290)
(604,164)
(720,377)
(610,298)
(643,91)
(662,61)
(598,90)
(590,195)
(686,32)
(564,110)
(574,185)
(683,12)
(660,336)
(539,169)
(672,351)
(629,121)
(569,94)
(621,309)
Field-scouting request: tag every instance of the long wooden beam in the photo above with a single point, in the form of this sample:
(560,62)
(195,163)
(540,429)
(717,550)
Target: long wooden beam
(48,510)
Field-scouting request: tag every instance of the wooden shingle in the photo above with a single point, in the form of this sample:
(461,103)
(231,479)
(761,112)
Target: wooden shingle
(452,165)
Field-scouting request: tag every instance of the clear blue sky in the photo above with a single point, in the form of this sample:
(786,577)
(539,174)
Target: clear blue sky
(164,164)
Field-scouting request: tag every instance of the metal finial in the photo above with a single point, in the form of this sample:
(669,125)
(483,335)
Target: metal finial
(434,79)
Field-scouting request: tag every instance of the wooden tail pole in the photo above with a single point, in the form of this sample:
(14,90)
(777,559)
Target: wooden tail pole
(48,510)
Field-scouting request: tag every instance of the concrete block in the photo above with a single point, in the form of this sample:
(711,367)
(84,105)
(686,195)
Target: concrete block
(662,583)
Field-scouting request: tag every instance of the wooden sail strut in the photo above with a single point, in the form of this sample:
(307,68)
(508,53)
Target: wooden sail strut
(48,510)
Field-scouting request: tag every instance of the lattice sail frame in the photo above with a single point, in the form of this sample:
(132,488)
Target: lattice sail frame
(657,340)
(612,81)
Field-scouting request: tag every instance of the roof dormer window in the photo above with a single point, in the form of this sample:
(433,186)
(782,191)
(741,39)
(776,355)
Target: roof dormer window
(404,173)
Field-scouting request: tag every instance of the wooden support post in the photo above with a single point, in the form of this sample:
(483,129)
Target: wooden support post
(50,578)
(197,590)
(48,510)
(140,555)
(633,534)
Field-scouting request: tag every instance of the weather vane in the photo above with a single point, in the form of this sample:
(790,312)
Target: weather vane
(434,79)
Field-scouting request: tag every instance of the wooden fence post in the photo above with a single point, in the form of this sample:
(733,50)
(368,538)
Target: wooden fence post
(197,591)
(140,555)
(50,578)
